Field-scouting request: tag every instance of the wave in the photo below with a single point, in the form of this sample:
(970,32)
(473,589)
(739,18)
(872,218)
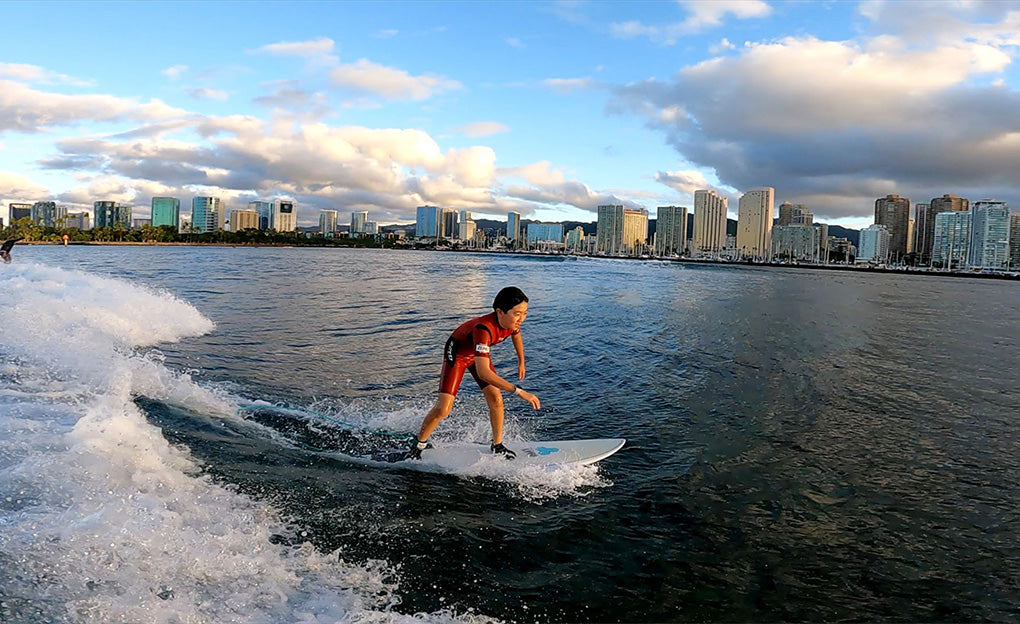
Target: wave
(101,518)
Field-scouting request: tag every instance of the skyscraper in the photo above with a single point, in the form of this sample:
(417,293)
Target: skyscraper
(754,223)
(925,240)
(874,244)
(265,211)
(552,232)
(635,230)
(18,211)
(785,214)
(989,234)
(893,212)
(110,213)
(671,230)
(922,237)
(709,222)
(951,242)
(284,215)
(328,220)
(1014,241)
(609,230)
(241,220)
(358,220)
(428,222)
(513,226)
(166,211)
(49,214)
(205,214)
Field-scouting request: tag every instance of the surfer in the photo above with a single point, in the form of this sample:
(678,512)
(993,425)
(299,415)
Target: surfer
(468,349)
(5,249)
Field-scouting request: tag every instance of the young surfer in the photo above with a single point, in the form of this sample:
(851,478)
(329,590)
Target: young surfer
(468,349)
(5,249)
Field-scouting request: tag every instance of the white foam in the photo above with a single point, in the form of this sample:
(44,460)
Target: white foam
(102,519)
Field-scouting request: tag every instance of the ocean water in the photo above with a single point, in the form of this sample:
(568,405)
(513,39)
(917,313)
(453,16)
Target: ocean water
(802,445)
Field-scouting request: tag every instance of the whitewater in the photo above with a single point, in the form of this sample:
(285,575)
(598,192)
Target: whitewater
(101,518)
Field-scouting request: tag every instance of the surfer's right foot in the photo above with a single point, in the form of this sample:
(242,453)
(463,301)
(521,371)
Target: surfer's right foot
(499,449)
(417,446)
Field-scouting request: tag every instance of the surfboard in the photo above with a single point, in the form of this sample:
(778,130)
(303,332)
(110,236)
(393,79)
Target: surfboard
(546,453)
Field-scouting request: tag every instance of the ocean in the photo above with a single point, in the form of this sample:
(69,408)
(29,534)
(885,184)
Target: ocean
(802,445)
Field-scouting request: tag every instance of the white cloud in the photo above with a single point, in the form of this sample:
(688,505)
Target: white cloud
(201,93)
(39,75)
(389,82)
(175,72)
(482,128)
(387,33)
(312,48)
(27,110)
(15,187)
(839,121)
(567,85)
(685,182)
(702,14)
(724,45)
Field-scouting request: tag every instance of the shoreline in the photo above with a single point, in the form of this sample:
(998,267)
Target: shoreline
(697,261)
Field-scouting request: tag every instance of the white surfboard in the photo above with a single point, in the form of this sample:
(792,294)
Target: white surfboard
(546,453)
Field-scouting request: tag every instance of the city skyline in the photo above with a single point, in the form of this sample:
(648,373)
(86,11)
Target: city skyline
(545,109)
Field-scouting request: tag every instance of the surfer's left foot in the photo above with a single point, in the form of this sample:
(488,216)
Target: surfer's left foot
(499,449)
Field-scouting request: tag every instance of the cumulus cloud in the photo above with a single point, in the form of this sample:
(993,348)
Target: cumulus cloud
(702,15)
(15,187)
(175,72)
(841,122)
(482,128)
(548,186)
(28,110)
(311,48)
(686,182)
(389,82)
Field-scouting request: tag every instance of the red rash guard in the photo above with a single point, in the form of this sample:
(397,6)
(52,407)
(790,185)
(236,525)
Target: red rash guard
(469,341)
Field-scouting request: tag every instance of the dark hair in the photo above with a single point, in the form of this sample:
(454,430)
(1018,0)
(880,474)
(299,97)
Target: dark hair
(508,297)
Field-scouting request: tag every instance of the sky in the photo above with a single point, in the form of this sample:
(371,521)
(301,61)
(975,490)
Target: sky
(546,108)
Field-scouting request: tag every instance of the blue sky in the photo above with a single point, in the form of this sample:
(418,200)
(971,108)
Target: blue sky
(548,108)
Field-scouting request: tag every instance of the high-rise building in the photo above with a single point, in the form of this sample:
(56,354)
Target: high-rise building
(545,232)
(921,237)
(798,242)
(284,215)
(670,230)
(18,211)
(989,234)
(802,216)
(264,210)
(893,212)
(467,227)
(925,240)
(48,214)
(78,220)
(874,244)
(1014,241)
(166,211)
(609,230)
(110,214)
(785,214)
(429,222)
(951,242)
(575,239)
(205,214)
(635,230)
(513,225)
(241,220)
(754,223)
(328,221)
(358,220)
(451,224)
(709,222)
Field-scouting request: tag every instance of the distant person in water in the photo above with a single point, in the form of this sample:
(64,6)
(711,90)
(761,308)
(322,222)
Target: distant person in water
(468,350)
(5,249)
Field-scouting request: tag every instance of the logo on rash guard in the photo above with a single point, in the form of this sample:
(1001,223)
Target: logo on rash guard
(481,348)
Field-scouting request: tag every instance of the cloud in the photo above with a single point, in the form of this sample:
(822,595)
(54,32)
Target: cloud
(387,33)
(389,82)
(201,93)
(550,187)
(482,128)
(39,75)
(312,48)
(24,109)
(175,72)
(569,85)
(703,14)
(686,182)
(842,122)
(724,45)
(15,187)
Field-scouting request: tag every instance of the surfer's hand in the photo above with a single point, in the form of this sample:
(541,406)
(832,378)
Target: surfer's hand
(531,398)
(520,370)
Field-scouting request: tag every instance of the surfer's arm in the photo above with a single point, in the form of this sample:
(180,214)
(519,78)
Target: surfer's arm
(519,348)
(489,376)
